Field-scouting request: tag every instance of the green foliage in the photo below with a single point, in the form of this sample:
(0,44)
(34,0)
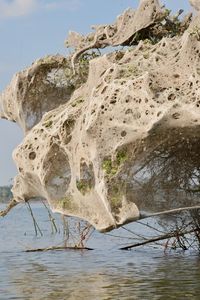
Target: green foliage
(166,25)
(127,71)
(84,186)
(167,12)
(115,202)
(87,56)
(121,156)
(66,203)
(77,101)
(83,64)
(48,124)
(116,192)
(195,31)
(110,167)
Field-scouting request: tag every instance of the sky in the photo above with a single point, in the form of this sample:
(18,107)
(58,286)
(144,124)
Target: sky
(30,29)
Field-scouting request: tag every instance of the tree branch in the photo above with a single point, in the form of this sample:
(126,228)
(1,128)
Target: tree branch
(12,203)
(159,238)
(167,212)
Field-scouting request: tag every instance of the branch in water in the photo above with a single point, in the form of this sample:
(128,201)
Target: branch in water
(159,238)
(58,248)
(12,203)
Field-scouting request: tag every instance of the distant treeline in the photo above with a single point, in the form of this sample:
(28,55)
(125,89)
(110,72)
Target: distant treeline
(5,193)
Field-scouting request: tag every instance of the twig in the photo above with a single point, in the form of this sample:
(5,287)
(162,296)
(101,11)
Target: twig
(160,238)
(84,234)
(139,236)
(52,220)
(150,226)
(65,227)
(98,50)
(134,233)
(12,203)
(36,226)
(121,237)
(66,231)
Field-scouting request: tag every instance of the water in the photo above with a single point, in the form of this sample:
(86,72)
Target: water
(104,273)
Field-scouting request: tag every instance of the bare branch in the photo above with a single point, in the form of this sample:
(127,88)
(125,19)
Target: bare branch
(36,226)
(12,203)
(160,238)
(57,248)
(168,212)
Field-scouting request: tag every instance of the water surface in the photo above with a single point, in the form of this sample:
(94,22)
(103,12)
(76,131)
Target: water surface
(104,273)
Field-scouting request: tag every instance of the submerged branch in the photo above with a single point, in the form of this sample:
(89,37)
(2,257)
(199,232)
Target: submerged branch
(57,248)
(12,203)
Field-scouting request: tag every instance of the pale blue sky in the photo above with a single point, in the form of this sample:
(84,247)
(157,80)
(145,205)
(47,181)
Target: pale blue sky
(30,29)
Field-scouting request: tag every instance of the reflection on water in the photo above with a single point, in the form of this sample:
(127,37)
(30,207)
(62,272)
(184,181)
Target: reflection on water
(104,273)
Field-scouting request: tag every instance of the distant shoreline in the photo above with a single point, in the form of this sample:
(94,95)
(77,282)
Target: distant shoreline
(5,193)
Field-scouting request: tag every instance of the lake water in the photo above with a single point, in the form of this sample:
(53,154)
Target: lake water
(103,273)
